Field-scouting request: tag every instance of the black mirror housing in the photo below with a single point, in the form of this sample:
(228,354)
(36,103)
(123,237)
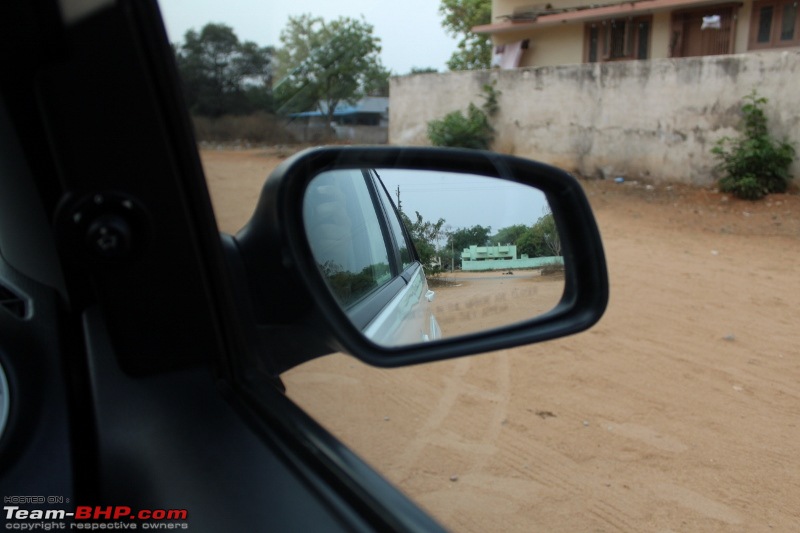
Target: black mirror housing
(302,320)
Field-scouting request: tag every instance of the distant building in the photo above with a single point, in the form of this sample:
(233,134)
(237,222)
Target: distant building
(489,253)
(563,32)
(368,111)
(365,122)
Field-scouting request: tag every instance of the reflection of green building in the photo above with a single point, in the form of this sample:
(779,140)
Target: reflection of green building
(489,253)
(503,257)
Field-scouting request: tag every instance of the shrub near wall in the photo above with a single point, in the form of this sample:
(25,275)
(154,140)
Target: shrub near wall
(754,164)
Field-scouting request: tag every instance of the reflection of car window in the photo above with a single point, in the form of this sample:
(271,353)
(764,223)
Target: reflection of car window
(345,235)
(394,225)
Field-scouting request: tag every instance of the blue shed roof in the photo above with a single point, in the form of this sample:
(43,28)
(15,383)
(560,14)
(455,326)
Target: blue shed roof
(369,104)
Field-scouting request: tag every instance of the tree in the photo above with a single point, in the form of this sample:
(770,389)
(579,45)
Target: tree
(541,239)
(460,16)
(377,81)
(323,64)
(509,235)
(222,75)
(302,35)
(425,235)
(465,237)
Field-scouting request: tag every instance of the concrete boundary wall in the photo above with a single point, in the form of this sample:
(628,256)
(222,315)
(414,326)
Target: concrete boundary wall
(509,264)
(653,120)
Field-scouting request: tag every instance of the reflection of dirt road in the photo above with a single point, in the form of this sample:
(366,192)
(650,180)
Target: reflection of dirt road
(678,412)
(471,302)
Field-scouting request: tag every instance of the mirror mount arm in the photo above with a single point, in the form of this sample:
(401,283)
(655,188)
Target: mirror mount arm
(283,330)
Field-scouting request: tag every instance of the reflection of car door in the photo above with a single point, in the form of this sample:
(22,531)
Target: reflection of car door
(366,257)
(408,318)
(346,236)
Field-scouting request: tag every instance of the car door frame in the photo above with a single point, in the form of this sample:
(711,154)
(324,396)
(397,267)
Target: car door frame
(231,458)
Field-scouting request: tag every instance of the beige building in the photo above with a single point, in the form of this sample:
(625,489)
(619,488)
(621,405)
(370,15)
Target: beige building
(565,32)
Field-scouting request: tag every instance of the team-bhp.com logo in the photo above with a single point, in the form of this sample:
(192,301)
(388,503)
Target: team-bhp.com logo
(117,517)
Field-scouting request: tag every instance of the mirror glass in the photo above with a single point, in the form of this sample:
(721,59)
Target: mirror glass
(413,256)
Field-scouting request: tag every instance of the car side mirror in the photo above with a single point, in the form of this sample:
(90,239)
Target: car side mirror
(405,255)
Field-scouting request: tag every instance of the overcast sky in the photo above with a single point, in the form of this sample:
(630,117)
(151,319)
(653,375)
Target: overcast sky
(410,30)
(463,200)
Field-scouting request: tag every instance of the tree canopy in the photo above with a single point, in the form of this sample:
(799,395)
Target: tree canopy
(425,236)
(541,239)
(463,238)
(509,235)
(321,64)
(222,75)
(460,16)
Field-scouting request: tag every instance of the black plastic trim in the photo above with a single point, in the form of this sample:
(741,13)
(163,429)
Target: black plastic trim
(12,303)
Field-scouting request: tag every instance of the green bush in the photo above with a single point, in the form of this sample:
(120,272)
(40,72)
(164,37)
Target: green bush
(754,164)
(470,130)
(460,131)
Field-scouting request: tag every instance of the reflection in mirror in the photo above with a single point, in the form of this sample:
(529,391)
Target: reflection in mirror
(345,235)
(413,256)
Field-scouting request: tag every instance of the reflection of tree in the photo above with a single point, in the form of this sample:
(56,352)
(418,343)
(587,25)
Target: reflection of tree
(508,235)
(553,243)
(424,235)
(541,239)
(349,287)
(465,237)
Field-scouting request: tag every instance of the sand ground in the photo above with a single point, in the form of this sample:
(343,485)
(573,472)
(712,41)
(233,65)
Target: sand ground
(679,411)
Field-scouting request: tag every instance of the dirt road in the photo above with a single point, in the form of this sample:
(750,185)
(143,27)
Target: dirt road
(679,411)
(468,302)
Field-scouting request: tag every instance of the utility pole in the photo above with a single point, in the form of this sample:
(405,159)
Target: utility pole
(399,204)
(452,257)
(448,231)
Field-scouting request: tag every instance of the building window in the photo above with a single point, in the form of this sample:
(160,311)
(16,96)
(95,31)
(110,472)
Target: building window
(593,40)
(692,37)
(617,39)
(774,23)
